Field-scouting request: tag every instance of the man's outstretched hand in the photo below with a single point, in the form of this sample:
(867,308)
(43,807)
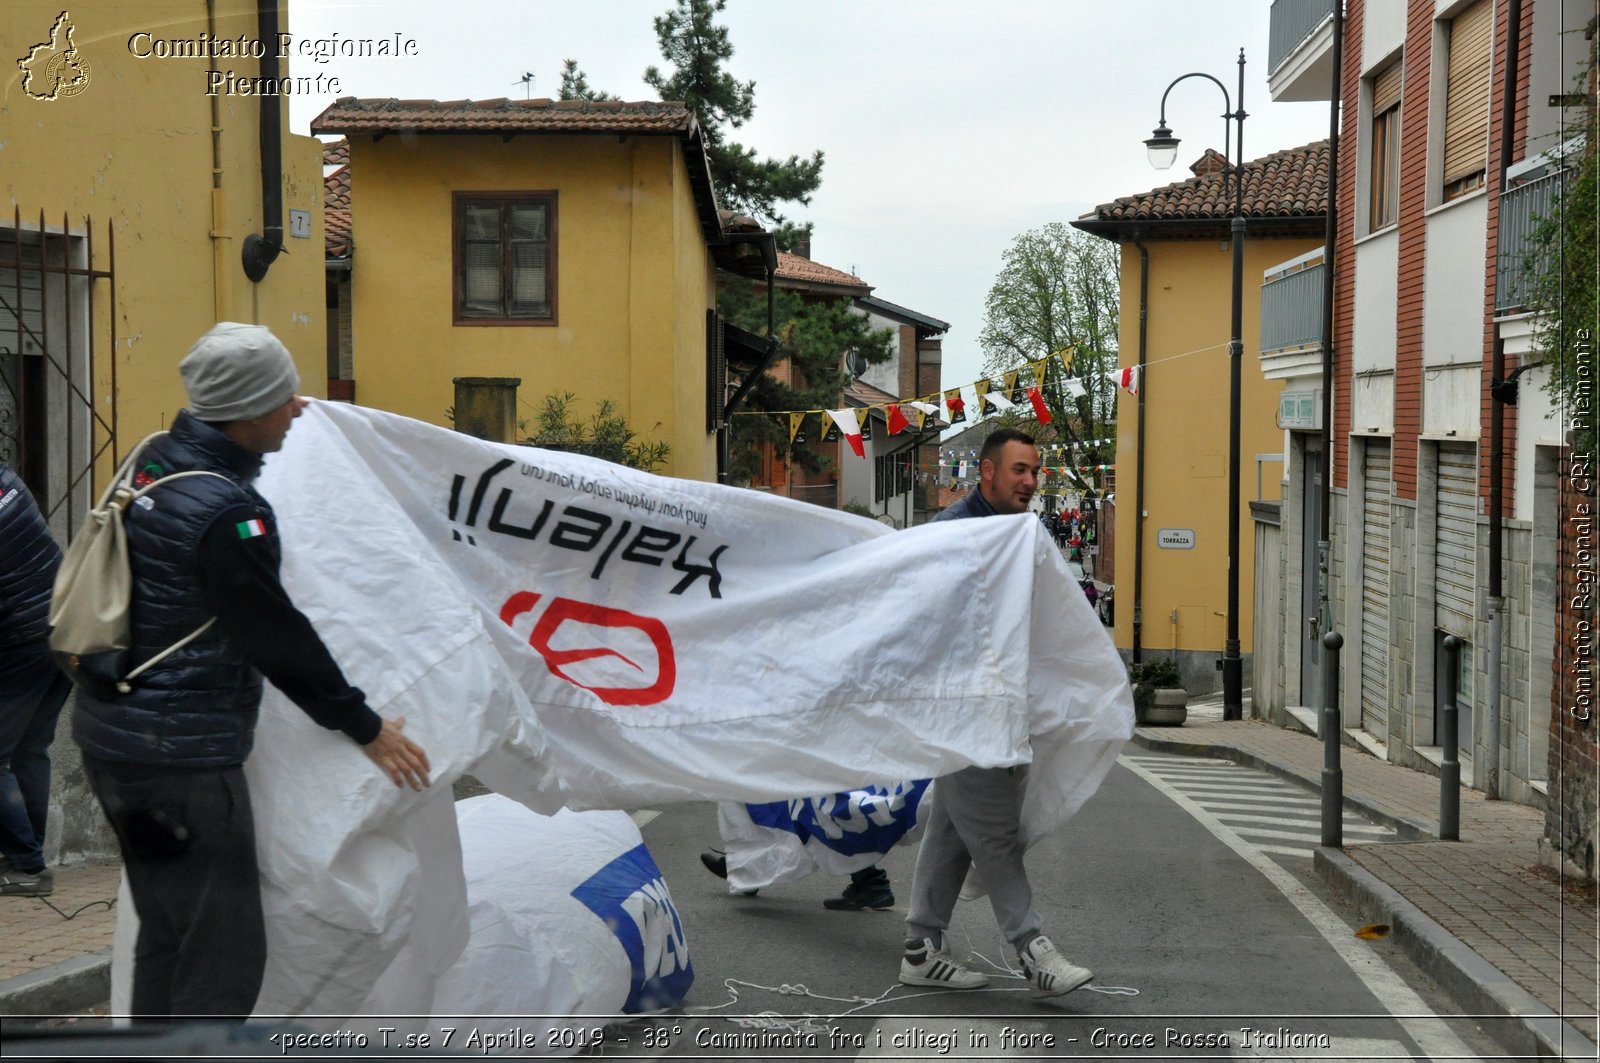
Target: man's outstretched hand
(401,759)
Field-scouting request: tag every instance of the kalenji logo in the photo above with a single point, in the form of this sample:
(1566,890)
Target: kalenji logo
(55,68)
(576,640)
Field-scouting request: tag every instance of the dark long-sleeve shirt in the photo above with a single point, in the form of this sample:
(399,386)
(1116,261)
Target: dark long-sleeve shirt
(240,583)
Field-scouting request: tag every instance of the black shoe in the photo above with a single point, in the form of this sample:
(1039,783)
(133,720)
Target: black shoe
(867,889)
(716,862)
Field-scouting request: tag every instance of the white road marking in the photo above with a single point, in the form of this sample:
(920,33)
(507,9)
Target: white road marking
(1290,821)
(1432,1035)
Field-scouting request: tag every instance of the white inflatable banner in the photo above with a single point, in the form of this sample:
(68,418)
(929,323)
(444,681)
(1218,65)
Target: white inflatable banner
(576,633)
(776,842)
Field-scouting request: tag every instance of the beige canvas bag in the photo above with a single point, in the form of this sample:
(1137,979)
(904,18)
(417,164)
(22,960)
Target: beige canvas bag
(90,631)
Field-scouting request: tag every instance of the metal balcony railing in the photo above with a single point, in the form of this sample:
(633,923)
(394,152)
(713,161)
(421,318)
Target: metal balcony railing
(1521,259)
(1290,23)
(1291,310)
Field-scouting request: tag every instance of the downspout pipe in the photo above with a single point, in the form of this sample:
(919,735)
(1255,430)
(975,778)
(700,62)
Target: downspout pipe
(1495,605)
(260,251)
(1329,240)
(1138,494)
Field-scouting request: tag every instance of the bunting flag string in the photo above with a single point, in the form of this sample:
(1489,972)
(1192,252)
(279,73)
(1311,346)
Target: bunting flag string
(1010,394)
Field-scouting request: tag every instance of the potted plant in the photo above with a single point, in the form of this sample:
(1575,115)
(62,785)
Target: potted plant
(1158,695)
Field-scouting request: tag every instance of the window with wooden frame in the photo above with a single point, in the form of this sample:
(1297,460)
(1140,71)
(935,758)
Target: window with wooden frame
(505,258)
(1383,174)
(1466,100)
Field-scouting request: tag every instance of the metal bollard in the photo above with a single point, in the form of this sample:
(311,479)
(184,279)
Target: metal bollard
(1450,765)
(1332,774)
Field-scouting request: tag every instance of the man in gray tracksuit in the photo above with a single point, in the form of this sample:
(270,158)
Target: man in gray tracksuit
(975,818)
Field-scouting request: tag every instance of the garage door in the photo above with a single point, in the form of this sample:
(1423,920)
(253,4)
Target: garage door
(1375,589)
(1455,581)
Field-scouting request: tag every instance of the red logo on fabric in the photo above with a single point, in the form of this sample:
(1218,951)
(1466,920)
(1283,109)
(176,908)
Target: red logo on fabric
(563,611)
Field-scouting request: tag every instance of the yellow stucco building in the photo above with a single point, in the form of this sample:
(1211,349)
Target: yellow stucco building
(120,126)
(1171,561)
(566,245)
(134,173)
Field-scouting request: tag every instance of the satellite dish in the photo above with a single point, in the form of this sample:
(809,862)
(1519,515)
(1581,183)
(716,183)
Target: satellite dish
(855,362)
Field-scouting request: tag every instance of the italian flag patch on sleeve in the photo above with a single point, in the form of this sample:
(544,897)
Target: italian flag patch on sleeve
(249,529)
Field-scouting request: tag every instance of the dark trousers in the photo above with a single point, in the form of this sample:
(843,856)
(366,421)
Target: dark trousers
(189,851)
(32,689)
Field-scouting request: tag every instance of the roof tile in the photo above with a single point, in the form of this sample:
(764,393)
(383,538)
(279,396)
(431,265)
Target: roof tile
(351,115)
(1285,184)
(802,270)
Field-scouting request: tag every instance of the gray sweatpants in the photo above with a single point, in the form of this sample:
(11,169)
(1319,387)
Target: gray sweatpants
(975,820)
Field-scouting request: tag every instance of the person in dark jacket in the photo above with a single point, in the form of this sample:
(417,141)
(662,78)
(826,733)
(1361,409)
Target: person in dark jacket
(32,688)
(166,759)
(974,817)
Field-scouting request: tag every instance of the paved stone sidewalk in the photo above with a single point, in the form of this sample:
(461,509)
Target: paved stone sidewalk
(1534,939)
(55,951)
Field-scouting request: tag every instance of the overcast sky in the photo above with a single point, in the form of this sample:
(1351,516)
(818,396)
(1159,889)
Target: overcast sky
(949,126)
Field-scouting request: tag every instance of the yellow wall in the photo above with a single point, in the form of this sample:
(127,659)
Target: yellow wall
(133,149)
(1185,388)
(633,282)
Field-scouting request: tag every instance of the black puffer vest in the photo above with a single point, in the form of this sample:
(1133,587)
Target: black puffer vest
(197,708)
(29,558)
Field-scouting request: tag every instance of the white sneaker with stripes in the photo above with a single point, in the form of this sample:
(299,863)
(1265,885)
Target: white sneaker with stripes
(1048,970)
(930,964)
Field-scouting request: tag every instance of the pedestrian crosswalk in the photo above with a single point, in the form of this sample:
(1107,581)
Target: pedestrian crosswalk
(1275,816)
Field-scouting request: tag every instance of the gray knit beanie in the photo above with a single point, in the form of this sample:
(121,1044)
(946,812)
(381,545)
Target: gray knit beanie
(237,372)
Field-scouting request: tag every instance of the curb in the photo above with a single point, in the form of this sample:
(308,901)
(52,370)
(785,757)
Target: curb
(1406,827)
(1530,1028)
(61,989)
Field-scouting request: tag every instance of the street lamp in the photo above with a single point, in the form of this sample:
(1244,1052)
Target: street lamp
(1163,148)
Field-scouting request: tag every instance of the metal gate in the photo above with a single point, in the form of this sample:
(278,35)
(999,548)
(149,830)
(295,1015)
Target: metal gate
(51,430)
(1375,588)
(1455,564)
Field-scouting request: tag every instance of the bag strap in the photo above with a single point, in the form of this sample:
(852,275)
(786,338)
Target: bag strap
(124,685)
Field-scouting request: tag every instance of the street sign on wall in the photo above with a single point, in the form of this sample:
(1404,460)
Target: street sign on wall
(1175,538)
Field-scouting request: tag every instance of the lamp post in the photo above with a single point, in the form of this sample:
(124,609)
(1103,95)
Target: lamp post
(1163,148)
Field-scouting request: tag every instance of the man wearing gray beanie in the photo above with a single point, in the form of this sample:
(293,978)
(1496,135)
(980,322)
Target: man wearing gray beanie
(166,758)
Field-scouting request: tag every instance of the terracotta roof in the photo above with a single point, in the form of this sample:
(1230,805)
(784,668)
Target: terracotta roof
(351,115)
(797,271)
(1285,185)
(377,117)
(336,241)
(336,152)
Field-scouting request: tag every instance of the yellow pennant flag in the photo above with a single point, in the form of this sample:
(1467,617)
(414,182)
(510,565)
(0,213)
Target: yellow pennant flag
(1009,385)
(981,389)
(797,423)
(1065,354)
(1040,368)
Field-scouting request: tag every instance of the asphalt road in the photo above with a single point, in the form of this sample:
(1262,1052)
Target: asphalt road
(1207,940)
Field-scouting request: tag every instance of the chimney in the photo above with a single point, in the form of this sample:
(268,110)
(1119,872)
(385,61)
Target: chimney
(802,245)
(1209,163)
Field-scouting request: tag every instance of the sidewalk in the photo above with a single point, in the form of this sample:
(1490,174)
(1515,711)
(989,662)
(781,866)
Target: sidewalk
(1503,937)
(1498,933)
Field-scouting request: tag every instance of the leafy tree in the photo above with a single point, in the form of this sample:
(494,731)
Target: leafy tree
(575,84)
(605,435)
(696,47)
(813,335)
(1566,271)
(1058,287)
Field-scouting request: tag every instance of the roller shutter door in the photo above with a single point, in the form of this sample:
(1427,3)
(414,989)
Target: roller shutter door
(1455,582)
(1375,589)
